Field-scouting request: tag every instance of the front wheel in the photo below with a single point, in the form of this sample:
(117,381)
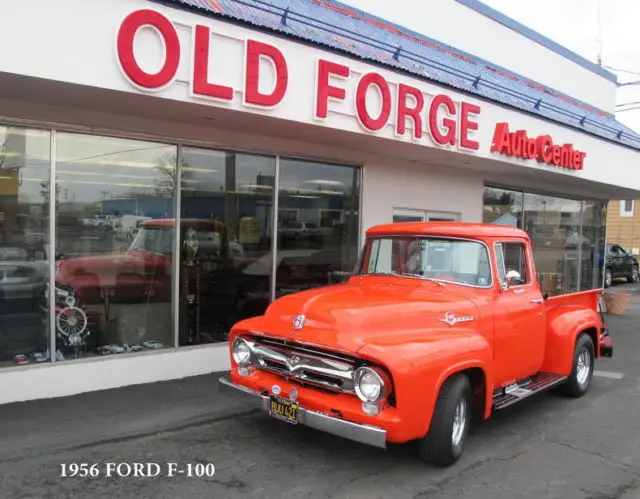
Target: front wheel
(444,443)
(583,362)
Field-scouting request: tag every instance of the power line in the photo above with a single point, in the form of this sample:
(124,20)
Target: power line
(622,70)
(628,103)
(627,109)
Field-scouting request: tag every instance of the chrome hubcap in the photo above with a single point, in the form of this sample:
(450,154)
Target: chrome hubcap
(459,422)
(634,275)
(584,364)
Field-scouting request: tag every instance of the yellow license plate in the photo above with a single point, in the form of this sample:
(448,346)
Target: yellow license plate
(283,409)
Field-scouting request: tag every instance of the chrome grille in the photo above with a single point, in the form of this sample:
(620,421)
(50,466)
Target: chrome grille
(300,363)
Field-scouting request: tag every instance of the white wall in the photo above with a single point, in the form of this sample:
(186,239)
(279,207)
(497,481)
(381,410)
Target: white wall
(389,184)
(54,52)
(84,375)
(461,27)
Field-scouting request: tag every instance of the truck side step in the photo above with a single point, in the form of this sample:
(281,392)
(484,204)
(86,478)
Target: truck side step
(509,395)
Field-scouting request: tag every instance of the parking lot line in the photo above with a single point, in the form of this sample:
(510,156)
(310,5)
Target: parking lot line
(608,374)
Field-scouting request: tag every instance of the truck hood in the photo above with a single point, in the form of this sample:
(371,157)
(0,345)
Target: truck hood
(346,317)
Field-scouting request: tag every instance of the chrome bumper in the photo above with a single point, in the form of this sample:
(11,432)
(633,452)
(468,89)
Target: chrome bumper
(370,435)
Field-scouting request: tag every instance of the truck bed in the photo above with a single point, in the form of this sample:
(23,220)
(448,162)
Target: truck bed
(587,299)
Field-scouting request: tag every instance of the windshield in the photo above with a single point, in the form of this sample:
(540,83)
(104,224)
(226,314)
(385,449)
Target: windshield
(449,260)
(153,240)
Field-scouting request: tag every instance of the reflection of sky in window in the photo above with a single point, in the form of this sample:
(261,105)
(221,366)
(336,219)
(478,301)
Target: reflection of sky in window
(24,163)
(537,202)
(305,177)
(91,168)
(206,170)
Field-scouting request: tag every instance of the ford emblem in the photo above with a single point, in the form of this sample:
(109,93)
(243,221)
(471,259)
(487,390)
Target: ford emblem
(298,322)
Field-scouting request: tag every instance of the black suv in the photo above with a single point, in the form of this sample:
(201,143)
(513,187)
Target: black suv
(619,264)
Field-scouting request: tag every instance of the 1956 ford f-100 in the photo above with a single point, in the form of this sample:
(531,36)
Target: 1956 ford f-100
(440,324)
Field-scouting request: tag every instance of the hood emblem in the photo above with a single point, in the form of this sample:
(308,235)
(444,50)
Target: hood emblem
(451,319)
(298,322)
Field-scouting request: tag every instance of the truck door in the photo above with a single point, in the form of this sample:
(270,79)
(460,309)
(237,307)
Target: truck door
(520,328)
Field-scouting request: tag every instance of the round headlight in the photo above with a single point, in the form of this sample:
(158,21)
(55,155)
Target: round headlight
(241,352)
(368,384)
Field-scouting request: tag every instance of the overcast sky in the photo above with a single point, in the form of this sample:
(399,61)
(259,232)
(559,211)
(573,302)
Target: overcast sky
(574,24)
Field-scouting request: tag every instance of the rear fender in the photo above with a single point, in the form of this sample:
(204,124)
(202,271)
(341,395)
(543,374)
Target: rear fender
(564,324)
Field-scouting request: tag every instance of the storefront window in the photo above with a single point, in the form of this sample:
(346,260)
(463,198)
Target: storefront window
(568,236)
(594,225)
(553,224)
(24,245)
(502,207)
(225,240)
(114,245)
(318,224)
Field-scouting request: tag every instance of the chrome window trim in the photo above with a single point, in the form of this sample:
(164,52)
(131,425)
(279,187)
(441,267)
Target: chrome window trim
(530,278)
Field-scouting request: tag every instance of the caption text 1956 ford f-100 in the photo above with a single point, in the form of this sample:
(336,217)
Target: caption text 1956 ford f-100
(442,323)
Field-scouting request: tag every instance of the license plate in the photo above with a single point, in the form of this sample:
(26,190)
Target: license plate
(283,409)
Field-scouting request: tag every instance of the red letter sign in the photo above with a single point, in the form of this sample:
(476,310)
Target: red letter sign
(324,90)
(201,85)
(466,124)
(450,125)
(252,95)
(126,36)
(405,112)
(373,124)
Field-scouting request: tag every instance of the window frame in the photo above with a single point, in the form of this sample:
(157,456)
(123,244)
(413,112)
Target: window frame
(627,213)
(528,274)
(366,257)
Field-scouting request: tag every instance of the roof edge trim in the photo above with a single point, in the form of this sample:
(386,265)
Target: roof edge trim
(533,35)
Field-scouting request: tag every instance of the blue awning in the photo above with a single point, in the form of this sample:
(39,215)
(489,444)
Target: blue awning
(341,28)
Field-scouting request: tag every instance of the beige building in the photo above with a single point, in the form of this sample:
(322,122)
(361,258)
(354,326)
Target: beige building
(623,224)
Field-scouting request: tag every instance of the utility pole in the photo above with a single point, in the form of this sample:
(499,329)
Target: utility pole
(599,24)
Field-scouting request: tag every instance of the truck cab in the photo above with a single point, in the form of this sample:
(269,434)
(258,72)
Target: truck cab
(441,323)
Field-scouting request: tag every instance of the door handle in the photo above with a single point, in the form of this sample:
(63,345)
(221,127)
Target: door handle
(537,300)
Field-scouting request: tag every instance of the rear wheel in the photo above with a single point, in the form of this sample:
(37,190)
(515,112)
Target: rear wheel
(634,274)
(583,362)
(608,278)
(444,443)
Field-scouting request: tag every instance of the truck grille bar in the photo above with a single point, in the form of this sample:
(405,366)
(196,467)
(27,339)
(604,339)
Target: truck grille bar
(304,364)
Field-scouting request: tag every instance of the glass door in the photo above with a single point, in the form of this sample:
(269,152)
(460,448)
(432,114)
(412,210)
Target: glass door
(442,216)
(408,215)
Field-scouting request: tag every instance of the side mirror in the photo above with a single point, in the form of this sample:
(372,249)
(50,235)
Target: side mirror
(513,276)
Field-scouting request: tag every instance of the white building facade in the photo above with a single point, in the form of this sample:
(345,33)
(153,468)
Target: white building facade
(175,166)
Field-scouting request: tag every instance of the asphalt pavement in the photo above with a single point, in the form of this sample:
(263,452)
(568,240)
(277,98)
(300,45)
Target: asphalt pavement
(548,447)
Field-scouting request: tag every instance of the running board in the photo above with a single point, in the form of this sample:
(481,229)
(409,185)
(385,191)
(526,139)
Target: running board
(516,392)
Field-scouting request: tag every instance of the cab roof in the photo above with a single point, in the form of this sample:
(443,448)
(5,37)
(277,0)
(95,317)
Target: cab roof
(450,229)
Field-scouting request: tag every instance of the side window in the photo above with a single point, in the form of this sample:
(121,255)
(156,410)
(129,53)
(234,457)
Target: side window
(514,257)
(613,250)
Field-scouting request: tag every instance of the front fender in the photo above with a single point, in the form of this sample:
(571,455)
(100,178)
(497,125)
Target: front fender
(421,364)
(564,324)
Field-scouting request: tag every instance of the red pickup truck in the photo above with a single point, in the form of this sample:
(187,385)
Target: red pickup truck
(442,323)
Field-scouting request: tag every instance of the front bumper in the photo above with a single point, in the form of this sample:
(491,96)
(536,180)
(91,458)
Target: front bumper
(370,435)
